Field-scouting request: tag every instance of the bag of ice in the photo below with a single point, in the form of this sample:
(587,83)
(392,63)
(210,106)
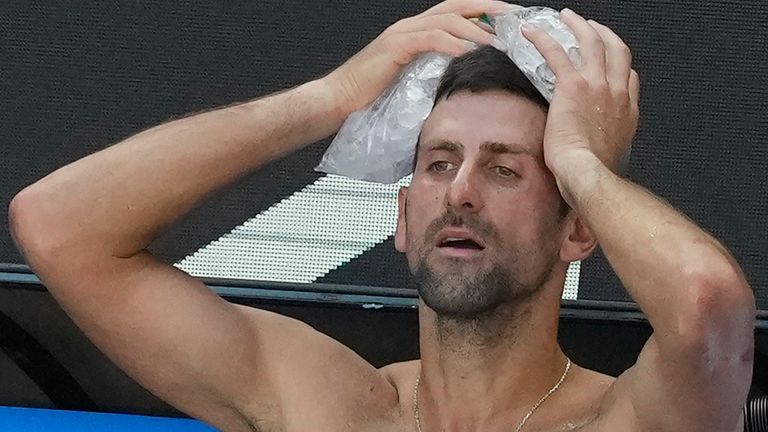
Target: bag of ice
(378,142)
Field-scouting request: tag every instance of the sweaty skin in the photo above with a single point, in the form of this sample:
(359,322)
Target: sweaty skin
(244,369)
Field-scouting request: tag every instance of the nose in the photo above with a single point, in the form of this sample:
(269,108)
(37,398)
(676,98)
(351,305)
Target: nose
(463,194)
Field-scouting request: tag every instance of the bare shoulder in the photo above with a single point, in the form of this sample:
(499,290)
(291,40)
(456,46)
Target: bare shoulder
(304,374)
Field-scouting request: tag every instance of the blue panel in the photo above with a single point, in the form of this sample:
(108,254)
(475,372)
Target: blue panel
(44,420)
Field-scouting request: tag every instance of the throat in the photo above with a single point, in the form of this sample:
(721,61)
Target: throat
(500,327)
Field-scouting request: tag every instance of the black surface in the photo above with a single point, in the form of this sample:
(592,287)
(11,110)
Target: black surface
(41,367)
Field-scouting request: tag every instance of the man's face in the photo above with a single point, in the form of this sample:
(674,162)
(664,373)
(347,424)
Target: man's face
(479,223)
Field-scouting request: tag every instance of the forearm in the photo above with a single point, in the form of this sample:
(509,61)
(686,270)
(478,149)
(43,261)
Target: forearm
(675,271)
(118,200)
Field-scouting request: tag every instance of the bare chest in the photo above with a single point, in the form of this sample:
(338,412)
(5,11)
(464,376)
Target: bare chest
(402,420)
(575,410)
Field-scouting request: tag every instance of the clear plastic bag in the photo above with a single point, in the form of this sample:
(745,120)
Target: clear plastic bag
(378,143)
(522,51)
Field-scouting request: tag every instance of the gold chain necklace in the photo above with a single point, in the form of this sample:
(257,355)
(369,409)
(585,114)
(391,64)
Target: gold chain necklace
(522,423)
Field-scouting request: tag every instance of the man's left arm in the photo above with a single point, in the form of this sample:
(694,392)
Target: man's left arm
(694,372)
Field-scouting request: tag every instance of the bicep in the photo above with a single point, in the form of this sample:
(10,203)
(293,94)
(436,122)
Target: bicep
(686,388)
(167,330)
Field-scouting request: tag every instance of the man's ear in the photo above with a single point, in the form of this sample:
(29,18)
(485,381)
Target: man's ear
(579,241)
(400,234)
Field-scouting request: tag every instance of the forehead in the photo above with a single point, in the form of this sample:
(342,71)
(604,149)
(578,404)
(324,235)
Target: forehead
(492,116)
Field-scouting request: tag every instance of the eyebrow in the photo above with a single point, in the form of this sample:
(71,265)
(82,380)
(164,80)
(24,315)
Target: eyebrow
(494,147)
(449,146)
(505,148)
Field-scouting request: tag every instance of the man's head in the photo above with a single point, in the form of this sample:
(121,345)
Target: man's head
(483,223)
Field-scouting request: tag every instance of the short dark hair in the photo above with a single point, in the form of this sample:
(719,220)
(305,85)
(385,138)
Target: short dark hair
(485,69)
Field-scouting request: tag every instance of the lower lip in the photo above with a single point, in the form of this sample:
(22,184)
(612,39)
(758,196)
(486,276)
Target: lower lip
(459,252)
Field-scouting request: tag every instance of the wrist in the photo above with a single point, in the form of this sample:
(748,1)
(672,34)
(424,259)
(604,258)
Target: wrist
(336,94)
(577,174)
(573,162)
(331,97)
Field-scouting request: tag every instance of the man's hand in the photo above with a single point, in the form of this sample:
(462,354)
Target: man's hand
(595,107)
(445,28)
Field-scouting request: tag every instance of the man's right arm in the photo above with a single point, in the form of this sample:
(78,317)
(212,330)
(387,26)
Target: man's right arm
(117,200)
(84,230)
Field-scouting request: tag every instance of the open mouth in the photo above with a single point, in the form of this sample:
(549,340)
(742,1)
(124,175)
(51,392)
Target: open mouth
(460,243)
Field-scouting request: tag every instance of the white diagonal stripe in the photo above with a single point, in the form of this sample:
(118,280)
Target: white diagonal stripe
(304,236)
(310,233)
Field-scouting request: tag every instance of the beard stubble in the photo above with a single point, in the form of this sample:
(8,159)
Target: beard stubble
(460,292)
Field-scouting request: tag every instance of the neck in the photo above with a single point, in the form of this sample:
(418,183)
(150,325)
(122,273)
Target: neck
(487,373)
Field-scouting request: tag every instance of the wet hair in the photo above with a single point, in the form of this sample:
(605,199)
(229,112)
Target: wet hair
(486,69)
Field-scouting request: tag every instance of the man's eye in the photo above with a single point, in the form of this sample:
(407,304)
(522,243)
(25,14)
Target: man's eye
(440,166)
(504,171)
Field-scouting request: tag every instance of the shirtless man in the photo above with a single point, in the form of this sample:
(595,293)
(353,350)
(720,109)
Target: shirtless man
(494,168)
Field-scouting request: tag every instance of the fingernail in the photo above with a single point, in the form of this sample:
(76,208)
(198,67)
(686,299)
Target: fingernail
(566,11)
(485,20)
(527,27)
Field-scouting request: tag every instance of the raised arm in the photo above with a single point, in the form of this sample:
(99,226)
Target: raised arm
(85,227)
(694,373)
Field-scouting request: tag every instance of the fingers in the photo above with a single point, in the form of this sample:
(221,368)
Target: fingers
(605,56)
(618,57)
(591,45)
(469,8)
(483,25)
(451,23)
(457,19)
(417,42)
(554,54)
(448,33)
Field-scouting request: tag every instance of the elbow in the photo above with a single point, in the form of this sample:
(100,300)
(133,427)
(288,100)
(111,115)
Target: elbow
(26,222)
(722,290)
(18,219)
(719,319)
